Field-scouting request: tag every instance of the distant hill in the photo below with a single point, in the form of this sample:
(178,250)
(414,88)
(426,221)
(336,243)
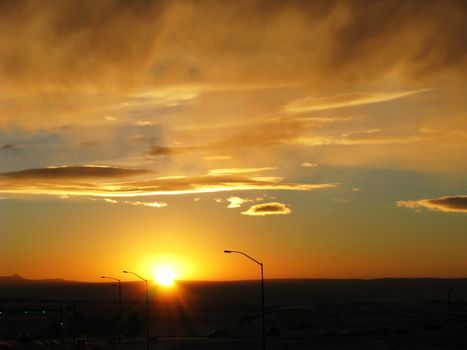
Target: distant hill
(12,279)
(17,279)
(293,292)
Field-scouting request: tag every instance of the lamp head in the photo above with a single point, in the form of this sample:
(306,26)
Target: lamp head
(102,276)
(227,251)
(125,271)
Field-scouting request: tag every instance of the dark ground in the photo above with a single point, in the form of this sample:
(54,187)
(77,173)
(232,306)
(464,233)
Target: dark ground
(300,314)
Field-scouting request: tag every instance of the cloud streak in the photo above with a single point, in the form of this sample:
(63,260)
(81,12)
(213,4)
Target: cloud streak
(355,140)
(308,165)
(71,172)
(137,203)
(273,208)
(447,204)
(288,131)
(233,171)
(310,104)
(56,181)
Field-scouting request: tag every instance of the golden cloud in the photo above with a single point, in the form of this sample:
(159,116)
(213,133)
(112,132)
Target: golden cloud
(350,140)
(273,208)
(79,62)
(65,43)
(137,203)
(56,181)
(236,202)
(448,204)
(218,157)
(62,57)
(308,165)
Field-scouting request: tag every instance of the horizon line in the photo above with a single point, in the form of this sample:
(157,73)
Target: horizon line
(60,279)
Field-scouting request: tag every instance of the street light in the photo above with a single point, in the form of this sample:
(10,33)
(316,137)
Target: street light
(119,305)
(147,306)
(262,289)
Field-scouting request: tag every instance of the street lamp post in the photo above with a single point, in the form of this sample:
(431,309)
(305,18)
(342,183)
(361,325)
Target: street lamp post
(262,290)
(147,306)
(119,306)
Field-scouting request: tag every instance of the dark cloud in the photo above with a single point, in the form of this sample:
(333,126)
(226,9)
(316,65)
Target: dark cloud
(89,143)
(273,208)
(118,43)
(454,204)
(322,42)
(65,43)
(71,172)
(7,146)
(157,151)
(379,32)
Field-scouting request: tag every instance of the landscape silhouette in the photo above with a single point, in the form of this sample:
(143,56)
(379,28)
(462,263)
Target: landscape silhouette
(407,313)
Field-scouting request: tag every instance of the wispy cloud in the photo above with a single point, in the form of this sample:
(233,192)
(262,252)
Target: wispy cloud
(146,122)
(233,171)
(308,165)
(218,157)
(144,66)
(447,204)
(137,203)
(309,104)
(292,132)
(273,208)
(355,140)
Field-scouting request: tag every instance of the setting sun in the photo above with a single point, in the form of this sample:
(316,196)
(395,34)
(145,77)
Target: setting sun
(164,276)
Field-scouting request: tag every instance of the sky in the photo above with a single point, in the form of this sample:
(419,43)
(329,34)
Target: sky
(327,139)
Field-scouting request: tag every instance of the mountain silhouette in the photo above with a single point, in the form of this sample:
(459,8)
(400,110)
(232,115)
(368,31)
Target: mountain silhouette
(18,279)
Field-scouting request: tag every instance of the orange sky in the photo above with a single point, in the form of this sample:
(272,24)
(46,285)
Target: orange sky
(325,138)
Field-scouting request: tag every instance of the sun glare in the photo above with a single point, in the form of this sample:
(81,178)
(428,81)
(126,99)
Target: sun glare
(165,276)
